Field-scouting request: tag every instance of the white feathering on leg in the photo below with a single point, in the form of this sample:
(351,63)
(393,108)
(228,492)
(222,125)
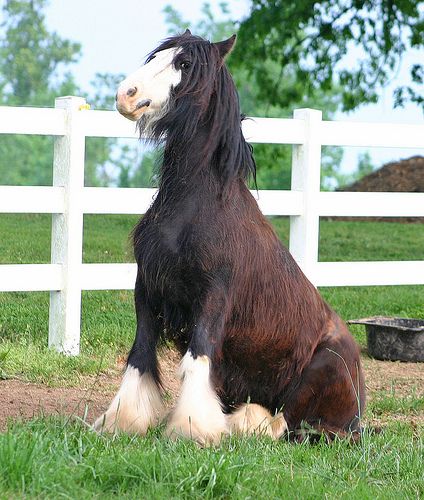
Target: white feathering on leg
(252,418)
(136,407)
(198,414)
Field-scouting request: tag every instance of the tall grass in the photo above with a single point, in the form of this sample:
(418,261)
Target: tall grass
(51,458)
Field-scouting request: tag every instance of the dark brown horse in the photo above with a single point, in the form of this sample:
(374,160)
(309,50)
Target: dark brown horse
(262,352)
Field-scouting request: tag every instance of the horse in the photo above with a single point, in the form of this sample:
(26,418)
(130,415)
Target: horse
(262,352)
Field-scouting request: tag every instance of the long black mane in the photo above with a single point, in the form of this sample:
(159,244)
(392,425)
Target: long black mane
(202,124)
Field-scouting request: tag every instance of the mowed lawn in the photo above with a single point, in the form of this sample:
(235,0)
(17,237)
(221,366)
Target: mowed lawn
(53,457)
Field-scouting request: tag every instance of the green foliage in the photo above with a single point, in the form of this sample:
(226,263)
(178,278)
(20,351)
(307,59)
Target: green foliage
(26,159)
(30,62)
(207,27)
(31,58)
(35,69)
(365,165)
(99,151)
(135,169)
(309,41)
(148,173)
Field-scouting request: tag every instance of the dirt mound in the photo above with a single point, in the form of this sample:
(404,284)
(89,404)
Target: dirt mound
(402,176)
(395,177)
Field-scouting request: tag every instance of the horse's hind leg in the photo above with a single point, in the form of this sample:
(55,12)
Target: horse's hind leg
(254,419)
(138,403)
(330,396)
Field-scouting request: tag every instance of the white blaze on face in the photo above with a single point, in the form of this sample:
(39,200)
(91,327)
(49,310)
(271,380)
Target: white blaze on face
(147,90)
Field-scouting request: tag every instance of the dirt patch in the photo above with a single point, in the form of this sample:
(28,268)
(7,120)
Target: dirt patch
(401,379)
(23,400)
(20,400)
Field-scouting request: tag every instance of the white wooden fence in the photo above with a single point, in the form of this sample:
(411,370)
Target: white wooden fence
(68,200)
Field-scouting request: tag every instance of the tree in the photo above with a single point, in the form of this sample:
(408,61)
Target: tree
(34,69)
(309,41)
(30,57)
(365,165)
(99,150)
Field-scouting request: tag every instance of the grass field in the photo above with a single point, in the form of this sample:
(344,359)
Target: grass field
(53,458)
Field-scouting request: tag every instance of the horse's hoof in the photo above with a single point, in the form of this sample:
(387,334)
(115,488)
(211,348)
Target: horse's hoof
(136,407)
(253,419)
(198,414)
(203,433)
(113,422)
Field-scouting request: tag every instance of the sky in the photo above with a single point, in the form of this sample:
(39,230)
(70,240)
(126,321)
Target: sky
(117,35)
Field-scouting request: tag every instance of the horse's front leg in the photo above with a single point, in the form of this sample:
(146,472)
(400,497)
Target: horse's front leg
(198,414)
(138,404)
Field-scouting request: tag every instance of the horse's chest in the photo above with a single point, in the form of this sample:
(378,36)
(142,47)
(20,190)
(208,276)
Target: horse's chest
(169,257)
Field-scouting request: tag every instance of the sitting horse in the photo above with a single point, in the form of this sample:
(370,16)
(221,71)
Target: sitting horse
(261,350)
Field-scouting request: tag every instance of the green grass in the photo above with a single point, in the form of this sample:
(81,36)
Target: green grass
(51,458)
(363,240)
(54,458)
(384,403)
(108,322)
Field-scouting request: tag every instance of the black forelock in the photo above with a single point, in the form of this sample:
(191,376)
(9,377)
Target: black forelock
(186,42)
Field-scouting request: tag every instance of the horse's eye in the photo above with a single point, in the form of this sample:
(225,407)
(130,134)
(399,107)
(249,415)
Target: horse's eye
(185,64)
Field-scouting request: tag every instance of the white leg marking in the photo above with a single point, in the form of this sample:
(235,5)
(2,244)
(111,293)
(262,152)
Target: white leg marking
(255,419)
(136,407)
(198,413)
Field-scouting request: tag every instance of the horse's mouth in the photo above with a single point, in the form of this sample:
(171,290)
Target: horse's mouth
(143,104)
(135,114)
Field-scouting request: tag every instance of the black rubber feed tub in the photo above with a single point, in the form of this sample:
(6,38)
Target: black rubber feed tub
(394,339)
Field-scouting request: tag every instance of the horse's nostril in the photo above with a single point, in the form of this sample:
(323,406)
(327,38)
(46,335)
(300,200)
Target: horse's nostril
(116,96)
(131,91)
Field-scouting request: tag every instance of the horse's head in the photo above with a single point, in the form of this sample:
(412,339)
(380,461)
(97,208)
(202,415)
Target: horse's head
(147,89)
(180,66)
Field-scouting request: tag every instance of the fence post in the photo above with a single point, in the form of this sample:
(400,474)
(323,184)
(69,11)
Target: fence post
(67,231)
(306,176)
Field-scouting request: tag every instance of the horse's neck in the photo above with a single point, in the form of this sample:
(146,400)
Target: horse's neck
(193,171)
(186,169)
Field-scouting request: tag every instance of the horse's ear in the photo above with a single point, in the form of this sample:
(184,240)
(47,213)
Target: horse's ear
(187,32)
(226,46)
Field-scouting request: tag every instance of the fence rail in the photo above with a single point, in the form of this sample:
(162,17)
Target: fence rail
(68,200)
